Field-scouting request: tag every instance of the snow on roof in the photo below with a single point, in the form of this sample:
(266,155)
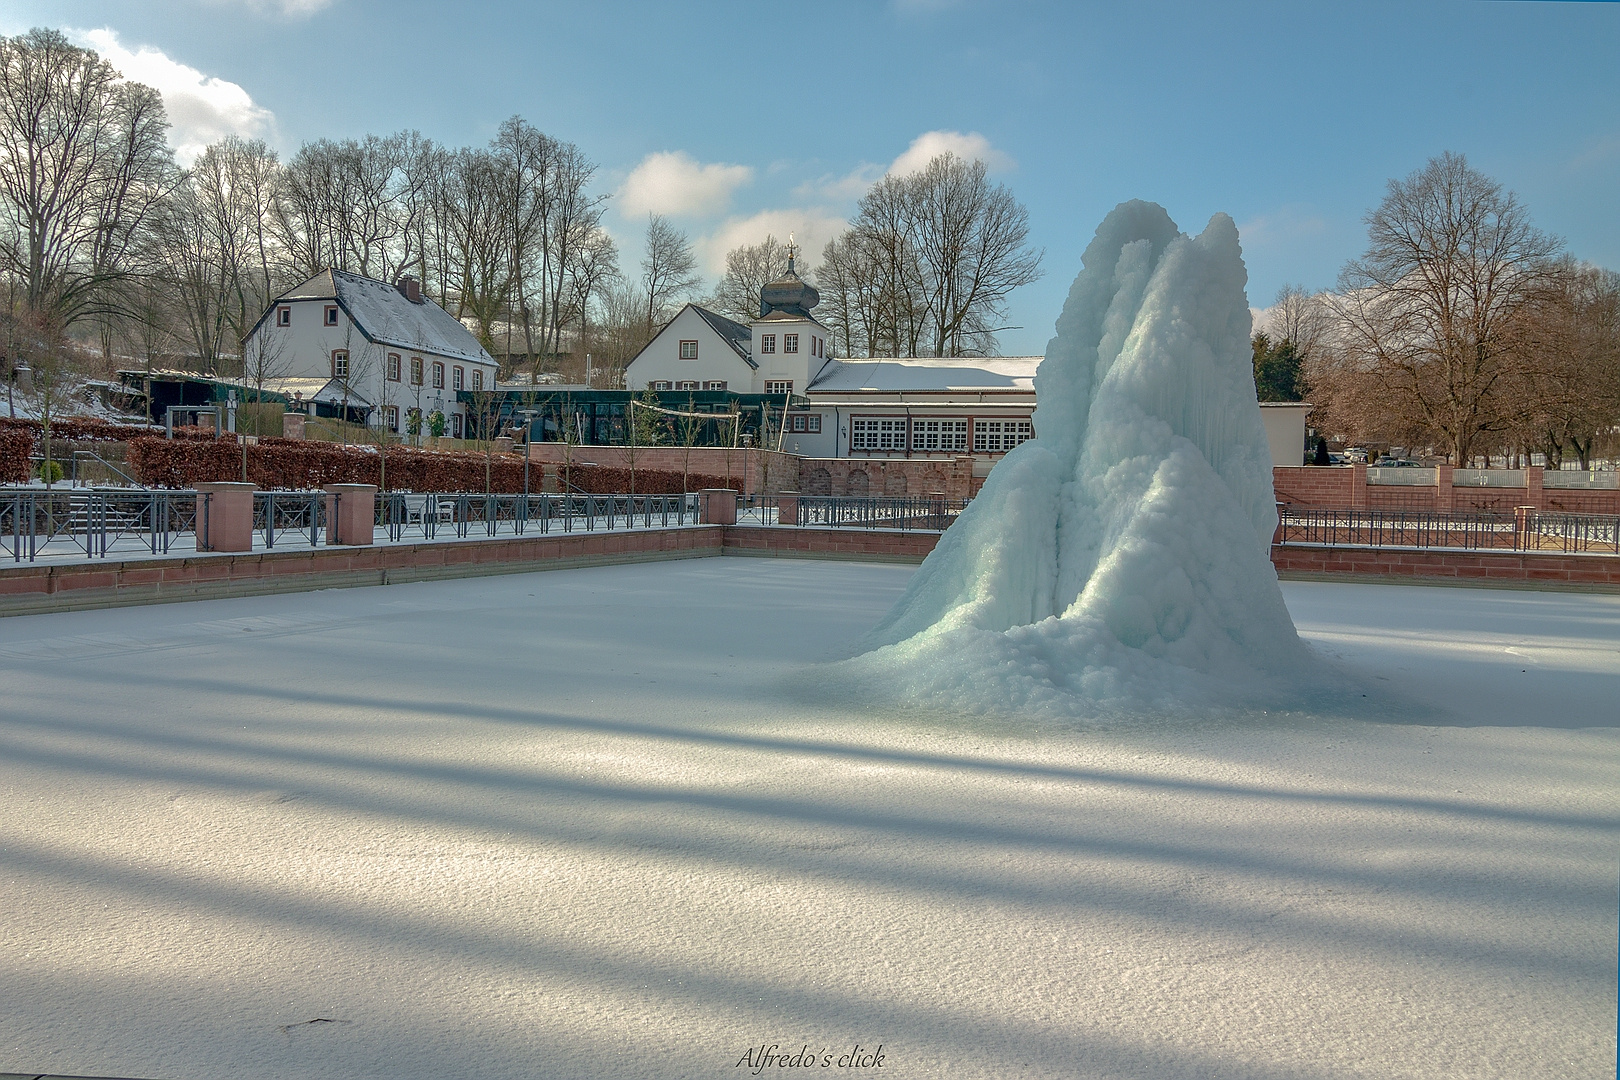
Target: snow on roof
(386,317)
(903,374)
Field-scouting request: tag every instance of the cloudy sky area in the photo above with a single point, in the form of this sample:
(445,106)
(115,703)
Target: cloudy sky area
(741,119)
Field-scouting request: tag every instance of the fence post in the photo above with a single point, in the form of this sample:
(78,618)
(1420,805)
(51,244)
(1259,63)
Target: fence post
(719,506)
(787,508)
(351,513)
(1523,521)
(225,518)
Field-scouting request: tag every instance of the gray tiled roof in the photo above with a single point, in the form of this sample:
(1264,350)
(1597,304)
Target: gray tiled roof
(384,316)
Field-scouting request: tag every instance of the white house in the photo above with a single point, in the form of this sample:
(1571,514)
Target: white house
(373,349)
(881,407)
(901,407)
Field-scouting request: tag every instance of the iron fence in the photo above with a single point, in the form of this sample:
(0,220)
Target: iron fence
(95,522)
(1524,530)
(69,522)
(919,512)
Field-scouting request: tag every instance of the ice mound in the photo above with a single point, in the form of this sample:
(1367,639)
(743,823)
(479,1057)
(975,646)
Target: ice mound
(1119,563)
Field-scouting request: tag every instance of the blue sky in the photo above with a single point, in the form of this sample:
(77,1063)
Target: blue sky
(742,118)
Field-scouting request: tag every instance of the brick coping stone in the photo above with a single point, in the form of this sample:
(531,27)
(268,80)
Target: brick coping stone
(32,588)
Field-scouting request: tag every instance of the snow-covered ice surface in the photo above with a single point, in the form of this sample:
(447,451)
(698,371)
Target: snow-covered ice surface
(574,824)
(1118,563)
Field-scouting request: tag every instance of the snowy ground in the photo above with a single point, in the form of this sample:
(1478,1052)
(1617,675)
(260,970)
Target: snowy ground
(571,824)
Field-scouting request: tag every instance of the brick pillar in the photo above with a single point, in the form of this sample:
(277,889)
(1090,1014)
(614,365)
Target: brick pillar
(351,513)
(1442,488)
(225,522)
(1358,486)
(1523,519)
(292,425)
(503,445)
(550,483)
(1534,494)
(719,506)
(787,508)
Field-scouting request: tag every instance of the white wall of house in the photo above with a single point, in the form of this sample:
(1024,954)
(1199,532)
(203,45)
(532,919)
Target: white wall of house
(787,350)
(307,341)
(713,358)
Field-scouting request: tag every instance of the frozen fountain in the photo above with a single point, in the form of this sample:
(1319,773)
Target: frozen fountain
(1118,564)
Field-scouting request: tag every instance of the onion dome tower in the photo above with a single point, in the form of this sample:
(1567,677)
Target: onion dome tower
(789,293)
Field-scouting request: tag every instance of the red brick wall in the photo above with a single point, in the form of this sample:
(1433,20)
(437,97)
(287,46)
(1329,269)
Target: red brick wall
(1474,566)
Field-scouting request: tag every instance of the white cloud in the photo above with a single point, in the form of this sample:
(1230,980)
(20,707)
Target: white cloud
(839,189)
(930,144)
(810,228)
(1280,227)
(293,8)
(673,183)
(202,108)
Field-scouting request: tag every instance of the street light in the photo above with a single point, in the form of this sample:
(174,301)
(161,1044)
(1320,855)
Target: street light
(528,433)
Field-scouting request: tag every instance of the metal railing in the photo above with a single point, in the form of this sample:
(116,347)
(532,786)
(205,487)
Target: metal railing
(68,522)
(917,512)
(405,514)
(1526,530)
(94,523)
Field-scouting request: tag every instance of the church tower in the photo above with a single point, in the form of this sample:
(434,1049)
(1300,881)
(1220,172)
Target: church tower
(790,347)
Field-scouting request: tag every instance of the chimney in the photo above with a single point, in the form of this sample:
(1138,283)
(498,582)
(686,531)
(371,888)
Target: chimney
(410,289)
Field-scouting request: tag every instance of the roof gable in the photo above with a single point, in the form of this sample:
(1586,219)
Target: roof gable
(385,317)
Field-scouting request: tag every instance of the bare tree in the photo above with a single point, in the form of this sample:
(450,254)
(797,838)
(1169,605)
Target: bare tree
(748,270)
(1428,312)
(83,165)
(1571,340)
(928,264)
(668,269)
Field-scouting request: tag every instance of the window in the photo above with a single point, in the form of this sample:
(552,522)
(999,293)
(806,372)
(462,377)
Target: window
(999,436)
(331,315)
(688,350)
(687,385)
(790,342)
(455,426)
(438,375)
(458,378)
(779,386)
(806,422)
(478,378)
(660,384)
(877,433)
(715,384)
(416,371)
(284,316)
(939,435)
(818,346)
(391,417)
(767,343)
(340,364)
(393,367)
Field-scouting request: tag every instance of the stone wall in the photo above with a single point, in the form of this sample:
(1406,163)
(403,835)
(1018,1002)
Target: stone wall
(1348,488)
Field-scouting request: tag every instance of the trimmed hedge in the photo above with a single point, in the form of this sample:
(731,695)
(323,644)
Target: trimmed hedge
(296,464)
(15,446)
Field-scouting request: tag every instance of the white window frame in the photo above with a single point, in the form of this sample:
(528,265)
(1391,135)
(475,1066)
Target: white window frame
(438,375)
(998,436)
(767,344)
(940,434)
(877,434)
(340,364)
(660,384)
(284,316)
(715,384)
(458,378)
(790,343)
(778,386)
(689,350)
(395,368)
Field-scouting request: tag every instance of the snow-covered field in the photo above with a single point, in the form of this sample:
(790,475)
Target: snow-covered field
(578,824)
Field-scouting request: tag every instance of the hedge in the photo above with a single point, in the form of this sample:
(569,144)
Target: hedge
(296,464)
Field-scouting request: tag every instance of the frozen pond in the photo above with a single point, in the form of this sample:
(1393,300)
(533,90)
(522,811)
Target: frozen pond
(572,824)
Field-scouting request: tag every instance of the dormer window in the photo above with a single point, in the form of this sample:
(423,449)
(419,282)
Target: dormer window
(767,343)
(331,315)
(790,343)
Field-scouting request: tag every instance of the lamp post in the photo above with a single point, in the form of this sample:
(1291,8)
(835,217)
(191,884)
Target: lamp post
(528,433)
